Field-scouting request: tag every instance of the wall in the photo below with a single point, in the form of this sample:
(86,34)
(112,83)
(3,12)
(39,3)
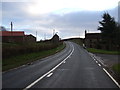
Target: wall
(17,39)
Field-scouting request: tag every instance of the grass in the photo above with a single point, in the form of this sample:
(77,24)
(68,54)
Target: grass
(26,58)
(93,50)
(12,49)
(116,68)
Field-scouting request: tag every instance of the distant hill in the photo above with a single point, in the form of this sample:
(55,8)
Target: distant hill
(79,41)
(73,39)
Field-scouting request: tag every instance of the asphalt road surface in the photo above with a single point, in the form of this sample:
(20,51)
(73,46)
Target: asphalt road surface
(71,68)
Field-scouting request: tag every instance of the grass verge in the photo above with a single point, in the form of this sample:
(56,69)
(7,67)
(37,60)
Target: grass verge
(17,61)
(116,68)
(93,50)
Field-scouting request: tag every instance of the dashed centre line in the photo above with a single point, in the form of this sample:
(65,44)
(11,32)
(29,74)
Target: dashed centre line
(49,74)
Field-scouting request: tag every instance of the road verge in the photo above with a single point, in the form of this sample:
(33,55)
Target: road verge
(20,60)
(108,69)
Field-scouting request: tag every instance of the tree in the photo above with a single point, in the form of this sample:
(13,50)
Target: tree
(118,37)
(108,28)
(2,28)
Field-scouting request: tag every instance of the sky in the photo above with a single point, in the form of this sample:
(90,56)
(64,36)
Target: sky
(68,18)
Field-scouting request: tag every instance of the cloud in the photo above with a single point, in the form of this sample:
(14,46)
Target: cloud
(69,24)
(74,22)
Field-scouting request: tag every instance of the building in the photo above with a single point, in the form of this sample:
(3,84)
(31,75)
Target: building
(29,38)
(92,40)
(16,37)
(95,40)
(55,39)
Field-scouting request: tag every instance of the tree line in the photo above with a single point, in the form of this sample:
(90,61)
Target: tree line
(110,32)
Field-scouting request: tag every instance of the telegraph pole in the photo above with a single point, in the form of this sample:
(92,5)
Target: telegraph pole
(11,27)
(11,39)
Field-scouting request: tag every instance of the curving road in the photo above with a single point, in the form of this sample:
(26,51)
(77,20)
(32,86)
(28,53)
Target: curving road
(71,68)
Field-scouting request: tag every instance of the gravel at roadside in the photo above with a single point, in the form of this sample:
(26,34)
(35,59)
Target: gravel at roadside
(108,61)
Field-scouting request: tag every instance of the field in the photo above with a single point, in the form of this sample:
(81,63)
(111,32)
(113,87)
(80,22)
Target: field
(13,49)
(30,55)
(76,40)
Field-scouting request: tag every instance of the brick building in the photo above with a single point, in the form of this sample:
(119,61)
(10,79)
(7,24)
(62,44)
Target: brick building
(93,40)
(55,39)
(16,37)
(29,38)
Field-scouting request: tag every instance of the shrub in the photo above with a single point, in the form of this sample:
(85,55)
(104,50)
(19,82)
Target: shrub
(10,50)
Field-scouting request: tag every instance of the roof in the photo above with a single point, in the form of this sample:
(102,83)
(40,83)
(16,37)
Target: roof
(55,36)
(13,33)
(29,35)
(92,35)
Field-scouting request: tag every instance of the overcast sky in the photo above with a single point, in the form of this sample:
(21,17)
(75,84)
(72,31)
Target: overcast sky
(70,18)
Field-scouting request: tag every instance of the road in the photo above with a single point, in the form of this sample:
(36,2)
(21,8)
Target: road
(71,68)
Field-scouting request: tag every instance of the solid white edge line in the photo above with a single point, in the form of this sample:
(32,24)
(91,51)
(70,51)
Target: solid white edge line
(32,84)
(64,61)
(111,77)
(108,74)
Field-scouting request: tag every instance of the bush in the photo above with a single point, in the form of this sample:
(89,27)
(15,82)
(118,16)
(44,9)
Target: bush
(11,50)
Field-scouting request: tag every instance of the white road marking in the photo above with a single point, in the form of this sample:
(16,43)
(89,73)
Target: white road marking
(32,84)
(100,61)
(105,70)
(99,64)
(111,77)
(49,74)
(93,57)
(96,61)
